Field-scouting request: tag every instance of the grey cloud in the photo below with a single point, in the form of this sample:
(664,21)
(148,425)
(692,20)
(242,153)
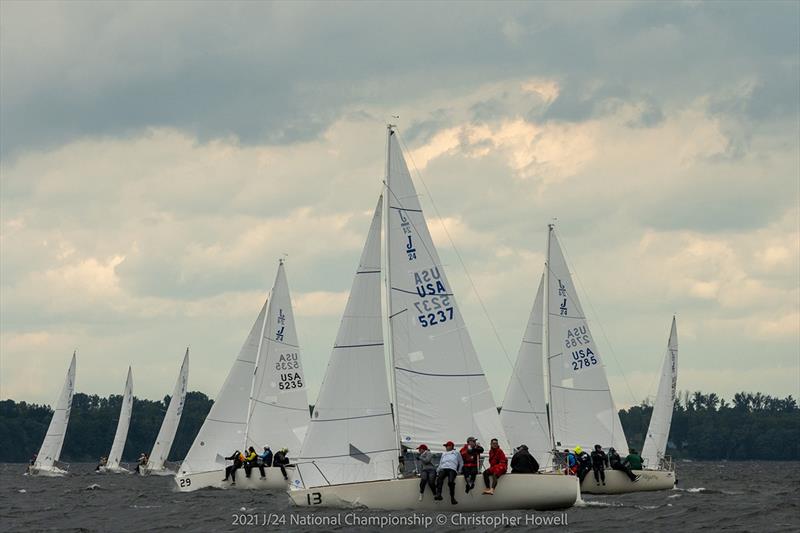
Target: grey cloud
(279,73)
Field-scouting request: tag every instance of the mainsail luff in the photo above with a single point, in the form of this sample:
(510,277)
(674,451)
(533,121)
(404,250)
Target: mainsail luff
(50,451)
(121,435)
(524,413)
(583,410)
(169,426)
(351,434)
(442,392)
(655,444)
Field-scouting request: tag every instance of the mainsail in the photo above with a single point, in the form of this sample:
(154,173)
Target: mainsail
(524,414)
(50,451)
(655,444)
(278,403)
(118,446)
(158,456)
(441,390)
(351,435)
(263,400)
(223,430)
(583,411)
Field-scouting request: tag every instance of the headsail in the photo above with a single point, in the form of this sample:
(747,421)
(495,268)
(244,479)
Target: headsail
(278,401)
(158,456)
(524,414)
(223,430)
(655,444)
(583,411)
(121,435)
(441,390)
(351,435)
(50,451)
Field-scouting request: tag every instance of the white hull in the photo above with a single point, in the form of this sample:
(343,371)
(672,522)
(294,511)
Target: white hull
(514,491)
(202,480)
(47,471)
(113,470)
(157,472)
(618,483)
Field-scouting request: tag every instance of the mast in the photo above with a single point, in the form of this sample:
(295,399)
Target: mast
(546,338)
(388,292)
(255,369)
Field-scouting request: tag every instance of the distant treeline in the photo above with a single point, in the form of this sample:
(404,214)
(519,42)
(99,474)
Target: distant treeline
(704,426)
(92,423)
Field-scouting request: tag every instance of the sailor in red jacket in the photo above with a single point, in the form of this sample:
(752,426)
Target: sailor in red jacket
(498,464)
(471,454)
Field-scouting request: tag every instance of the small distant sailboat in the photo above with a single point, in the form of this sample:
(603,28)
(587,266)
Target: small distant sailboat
(50,452)
(655,444)
(156,461)
(118,446)
(262,402)
(351,454)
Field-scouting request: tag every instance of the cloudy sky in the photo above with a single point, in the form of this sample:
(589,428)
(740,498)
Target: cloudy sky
(158,158)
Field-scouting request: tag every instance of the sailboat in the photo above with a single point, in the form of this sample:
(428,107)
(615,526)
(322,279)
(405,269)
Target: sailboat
(263,402)
(582,410)
(351,455)
(524,413)
(118,446)
(655,444)
(156,461)
(50,452)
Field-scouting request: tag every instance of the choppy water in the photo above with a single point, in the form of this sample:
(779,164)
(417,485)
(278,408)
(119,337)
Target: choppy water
(731,496)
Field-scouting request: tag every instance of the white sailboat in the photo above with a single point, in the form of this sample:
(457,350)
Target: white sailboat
(524,413)
(156,463)
(262,402)
(582,407)
(350,455)
(50,452)
(655,444)
(118,446)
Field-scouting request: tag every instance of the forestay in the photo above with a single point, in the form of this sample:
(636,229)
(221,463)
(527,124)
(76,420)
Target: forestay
(524,414)
(50,451)
(223,430)
(278,403)
(160,453)
(655,444)
(351,436)
(441,390)
(583,411)
(118,446)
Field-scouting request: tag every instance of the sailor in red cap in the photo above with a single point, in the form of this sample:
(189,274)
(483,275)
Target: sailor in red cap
(450,465)
(427,470)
